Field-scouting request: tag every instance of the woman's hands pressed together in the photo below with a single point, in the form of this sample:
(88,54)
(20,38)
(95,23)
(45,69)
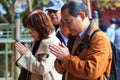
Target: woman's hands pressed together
(22,49)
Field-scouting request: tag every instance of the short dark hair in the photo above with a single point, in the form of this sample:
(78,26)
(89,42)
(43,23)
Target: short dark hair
(39,21)
(118,22)
(113,21)
(74,7)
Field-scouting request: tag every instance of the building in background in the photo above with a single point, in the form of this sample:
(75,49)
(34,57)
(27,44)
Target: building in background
(106,11)
(21,5)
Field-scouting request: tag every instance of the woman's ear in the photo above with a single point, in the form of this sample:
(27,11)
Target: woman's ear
(82,15)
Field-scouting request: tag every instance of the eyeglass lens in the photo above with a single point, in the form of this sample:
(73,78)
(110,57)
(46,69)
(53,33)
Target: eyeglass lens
(52,11)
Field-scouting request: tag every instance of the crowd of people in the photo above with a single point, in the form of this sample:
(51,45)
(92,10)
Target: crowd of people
(64,47)
(112,31)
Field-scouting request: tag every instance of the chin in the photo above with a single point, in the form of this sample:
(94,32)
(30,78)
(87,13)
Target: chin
(33,37)
(74,34)
(55,23)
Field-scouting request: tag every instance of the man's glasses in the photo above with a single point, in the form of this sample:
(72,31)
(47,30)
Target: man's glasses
(52,11)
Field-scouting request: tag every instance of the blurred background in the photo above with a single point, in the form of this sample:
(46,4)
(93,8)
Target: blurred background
(11,28)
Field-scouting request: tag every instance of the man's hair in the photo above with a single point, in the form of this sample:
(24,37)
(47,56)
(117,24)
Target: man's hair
(74,7)
(113,21)
(118,22)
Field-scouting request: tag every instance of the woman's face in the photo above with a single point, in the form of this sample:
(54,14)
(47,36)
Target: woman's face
(34,33)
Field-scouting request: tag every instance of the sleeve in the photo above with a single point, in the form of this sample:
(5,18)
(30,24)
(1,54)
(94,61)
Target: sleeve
(42,63)
(58,67)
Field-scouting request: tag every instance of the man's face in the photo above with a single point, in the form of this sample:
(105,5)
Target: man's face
(74,24)
(55,16)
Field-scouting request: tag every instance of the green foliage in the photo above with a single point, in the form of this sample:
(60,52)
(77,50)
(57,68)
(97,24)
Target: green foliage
(6,5)
(108,4)
(43,0)
(2,19)
(117,4)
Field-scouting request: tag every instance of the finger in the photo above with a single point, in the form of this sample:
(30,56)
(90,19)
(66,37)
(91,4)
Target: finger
(21,48)
(19,51)
(18,44)
(53,49)
(54,53)
(53,46)
(26,46)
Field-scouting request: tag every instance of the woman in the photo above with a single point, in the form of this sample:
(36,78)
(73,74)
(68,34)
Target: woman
(37,63)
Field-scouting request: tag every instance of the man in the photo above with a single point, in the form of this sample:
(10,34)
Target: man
(54,12)
(117,34)
(111,30)
(91,63)
(62,34)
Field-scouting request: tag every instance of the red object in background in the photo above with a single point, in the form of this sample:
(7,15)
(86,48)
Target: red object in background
(106,14)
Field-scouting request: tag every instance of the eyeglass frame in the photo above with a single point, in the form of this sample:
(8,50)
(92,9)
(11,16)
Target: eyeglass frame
(52,11)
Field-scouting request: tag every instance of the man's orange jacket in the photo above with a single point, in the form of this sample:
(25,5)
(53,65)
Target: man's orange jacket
(90,64)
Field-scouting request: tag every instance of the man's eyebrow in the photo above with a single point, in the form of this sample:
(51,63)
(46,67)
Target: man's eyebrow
(67,19)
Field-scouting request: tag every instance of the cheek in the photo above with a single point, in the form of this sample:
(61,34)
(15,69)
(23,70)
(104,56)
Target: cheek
(36,34)
(71,28)
(30,32)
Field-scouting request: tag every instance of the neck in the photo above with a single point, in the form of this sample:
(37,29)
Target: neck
(56,27)
(86,23)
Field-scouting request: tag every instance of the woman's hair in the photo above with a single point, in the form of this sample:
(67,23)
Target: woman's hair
(39,21)
(74,7)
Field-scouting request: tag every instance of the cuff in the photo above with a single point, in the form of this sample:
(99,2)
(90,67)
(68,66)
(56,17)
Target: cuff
(24,59)
(66,61)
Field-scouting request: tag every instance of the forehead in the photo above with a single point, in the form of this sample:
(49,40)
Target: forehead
(65,15)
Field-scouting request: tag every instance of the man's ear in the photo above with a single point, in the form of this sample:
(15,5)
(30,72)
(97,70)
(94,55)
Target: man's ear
(82,15)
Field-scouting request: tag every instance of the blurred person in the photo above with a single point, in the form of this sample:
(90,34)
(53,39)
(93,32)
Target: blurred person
(37,62)
(54,11)
(117,34)
(91,63)
(62,34)
(102,26)
(111,30)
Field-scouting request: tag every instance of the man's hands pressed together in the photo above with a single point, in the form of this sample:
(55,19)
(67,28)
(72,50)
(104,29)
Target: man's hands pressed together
(60,50)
